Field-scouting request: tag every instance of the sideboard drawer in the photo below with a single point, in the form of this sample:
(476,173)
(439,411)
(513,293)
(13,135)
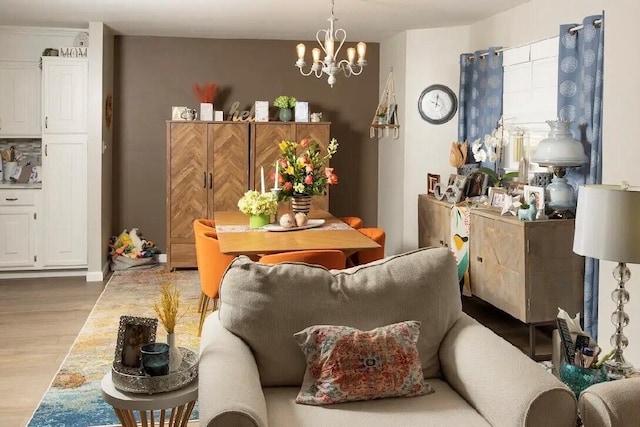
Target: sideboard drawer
(17,198)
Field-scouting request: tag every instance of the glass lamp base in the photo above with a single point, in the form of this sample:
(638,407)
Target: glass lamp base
(561,214)
(618,368)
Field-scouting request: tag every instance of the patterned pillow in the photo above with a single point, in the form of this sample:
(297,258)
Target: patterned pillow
(346,364)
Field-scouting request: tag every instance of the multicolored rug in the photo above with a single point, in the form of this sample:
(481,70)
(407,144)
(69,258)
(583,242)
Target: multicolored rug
(74,397)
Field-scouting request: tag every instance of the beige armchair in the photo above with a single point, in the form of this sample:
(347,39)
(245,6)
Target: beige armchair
(611,404)
(251,368)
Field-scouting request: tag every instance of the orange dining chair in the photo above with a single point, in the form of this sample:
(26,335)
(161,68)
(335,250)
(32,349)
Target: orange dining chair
(366,256)
(204,225)
(331,259)
(352,221)
(211,266)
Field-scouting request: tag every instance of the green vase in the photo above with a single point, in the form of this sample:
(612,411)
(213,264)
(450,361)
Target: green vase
(257,221)
(285,114)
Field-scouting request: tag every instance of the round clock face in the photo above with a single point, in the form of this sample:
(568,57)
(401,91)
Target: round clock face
(437,104)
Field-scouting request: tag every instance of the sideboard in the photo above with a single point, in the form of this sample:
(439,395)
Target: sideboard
(525,268)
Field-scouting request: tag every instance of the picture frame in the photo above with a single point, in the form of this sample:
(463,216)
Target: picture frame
(432,180)
(496,196)
(301,111)
(476,185)
(262,111)
(452,179)
(133,333)
(537,193)
(516,189)
(460,183)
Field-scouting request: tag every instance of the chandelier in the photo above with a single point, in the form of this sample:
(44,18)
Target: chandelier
(329,65)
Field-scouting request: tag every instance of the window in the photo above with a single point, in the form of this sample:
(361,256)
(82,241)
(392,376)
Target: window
(529,98)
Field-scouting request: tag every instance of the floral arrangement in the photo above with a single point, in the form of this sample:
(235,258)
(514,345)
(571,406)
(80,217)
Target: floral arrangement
(168,305)
(256,203)
(284,101)
(207,93)
(490,146)
(303,169)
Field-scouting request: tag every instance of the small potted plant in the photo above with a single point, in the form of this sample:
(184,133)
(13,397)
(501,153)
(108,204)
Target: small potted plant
(285,104)
(259,207)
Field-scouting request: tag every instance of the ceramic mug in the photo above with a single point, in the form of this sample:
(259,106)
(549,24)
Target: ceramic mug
(189,114)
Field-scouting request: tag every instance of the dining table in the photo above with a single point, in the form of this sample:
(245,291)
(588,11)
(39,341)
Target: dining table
(236,238)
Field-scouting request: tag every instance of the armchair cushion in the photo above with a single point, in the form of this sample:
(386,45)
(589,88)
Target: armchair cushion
(265,305)
(346,364)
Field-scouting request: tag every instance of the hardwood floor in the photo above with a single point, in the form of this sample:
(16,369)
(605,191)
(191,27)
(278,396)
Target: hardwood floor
(39,321)
(40,318)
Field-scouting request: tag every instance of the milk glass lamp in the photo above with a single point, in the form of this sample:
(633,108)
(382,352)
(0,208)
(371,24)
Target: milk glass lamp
(607,227)
(560,151)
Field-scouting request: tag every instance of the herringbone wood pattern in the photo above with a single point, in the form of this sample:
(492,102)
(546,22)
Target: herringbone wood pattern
(230,154)
(267,136)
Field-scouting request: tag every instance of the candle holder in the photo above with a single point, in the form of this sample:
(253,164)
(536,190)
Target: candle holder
(276,192)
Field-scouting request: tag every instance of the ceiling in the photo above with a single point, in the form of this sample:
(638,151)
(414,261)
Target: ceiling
(368,20)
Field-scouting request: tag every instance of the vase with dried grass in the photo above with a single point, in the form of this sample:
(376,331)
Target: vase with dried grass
(167,308)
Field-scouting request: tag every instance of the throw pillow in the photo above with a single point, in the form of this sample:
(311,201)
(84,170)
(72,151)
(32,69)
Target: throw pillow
(346,364)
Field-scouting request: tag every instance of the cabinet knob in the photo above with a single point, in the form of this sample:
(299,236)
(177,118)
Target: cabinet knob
(479,258)
(204,185)
(46,122)
(210,180)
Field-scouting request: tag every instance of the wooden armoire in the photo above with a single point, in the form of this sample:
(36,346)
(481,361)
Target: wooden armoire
(210,165)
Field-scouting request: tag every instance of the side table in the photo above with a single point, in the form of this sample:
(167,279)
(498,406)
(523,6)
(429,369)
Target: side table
(179,402)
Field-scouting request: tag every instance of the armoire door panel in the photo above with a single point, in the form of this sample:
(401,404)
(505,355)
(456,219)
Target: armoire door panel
(266,140)
(229,161)
(188,180)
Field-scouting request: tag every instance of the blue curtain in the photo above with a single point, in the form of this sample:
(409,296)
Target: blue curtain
(480,96)
(580,82)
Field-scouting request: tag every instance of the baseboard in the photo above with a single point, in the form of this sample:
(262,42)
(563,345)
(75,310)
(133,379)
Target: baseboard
(41,273)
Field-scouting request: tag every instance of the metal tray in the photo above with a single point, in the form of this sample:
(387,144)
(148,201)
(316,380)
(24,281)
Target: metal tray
(145,384)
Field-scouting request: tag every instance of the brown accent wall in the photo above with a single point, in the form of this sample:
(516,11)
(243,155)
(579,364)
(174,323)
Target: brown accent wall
(152,74)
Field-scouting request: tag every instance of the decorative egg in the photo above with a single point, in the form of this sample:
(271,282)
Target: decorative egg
(301,219)
(287,221)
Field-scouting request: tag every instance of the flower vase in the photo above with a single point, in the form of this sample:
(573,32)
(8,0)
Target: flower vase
(301,203)
(258,221)
(285,114)
(175,355)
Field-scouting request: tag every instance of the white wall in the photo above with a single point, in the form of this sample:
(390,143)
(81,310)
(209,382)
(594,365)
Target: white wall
(529,22)
(28,43)
(390,151)
(419,59)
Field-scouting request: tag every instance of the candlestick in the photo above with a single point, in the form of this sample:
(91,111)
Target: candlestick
(262,179)
(277,176)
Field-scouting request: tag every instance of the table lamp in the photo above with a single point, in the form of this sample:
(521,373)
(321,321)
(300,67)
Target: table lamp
(560,151)
(607,227)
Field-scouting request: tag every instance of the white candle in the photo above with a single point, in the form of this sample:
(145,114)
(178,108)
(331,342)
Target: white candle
(262,179)
(276,177)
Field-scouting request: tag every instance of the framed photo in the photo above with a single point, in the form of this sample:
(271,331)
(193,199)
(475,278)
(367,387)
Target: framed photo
(133,333)
(532,193)
(432,180)
(516,189)
(302,111)
(477,184)
(262,111)
(460,182)
(497,196)
(452,179)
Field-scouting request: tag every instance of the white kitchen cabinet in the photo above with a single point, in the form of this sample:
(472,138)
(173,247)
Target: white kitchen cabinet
(18,214)
(20,99)
(64,187)
(64,95)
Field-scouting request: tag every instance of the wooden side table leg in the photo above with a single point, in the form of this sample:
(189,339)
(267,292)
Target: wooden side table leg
(187,414)
(126,418)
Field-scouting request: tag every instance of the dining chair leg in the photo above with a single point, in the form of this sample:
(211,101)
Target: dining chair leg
(203,314)
(203,297)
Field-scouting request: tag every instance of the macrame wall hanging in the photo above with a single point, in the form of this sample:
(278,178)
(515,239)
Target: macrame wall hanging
(386,118)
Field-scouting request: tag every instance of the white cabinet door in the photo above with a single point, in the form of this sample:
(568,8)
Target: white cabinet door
(19,99)
(64,186)
(17,234)
(64,95)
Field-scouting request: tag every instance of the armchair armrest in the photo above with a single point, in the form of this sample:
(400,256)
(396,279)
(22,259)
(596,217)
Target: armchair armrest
(611,404)
(229,389)
(504,385)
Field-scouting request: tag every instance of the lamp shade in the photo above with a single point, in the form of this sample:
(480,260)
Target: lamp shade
(607,225)
(559,149)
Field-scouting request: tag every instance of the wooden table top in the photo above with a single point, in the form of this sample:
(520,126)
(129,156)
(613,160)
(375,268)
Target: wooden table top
(252,242)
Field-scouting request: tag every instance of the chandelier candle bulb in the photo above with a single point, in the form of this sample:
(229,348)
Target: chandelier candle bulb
(362,49)
(351,55)
(301,49)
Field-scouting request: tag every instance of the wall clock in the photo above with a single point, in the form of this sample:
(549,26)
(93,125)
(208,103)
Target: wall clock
(437,104)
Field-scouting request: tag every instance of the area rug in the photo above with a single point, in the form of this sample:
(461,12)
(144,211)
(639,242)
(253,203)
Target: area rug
(74,397)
